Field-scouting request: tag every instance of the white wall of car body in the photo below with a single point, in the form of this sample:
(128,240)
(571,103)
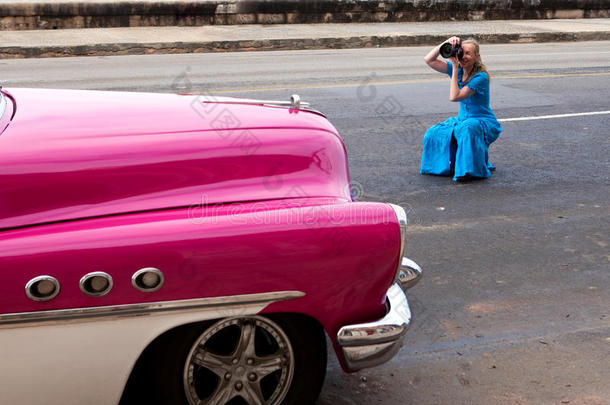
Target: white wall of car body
(82,361)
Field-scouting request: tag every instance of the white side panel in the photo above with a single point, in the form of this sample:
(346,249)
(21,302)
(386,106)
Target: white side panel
(84,362)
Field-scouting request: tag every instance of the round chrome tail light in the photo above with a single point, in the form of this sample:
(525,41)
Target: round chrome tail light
(42,288)
(148,279)
(96,284)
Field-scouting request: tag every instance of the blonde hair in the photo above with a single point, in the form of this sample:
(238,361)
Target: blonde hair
(478,65)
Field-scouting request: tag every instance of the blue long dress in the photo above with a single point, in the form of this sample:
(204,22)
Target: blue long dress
(473,130)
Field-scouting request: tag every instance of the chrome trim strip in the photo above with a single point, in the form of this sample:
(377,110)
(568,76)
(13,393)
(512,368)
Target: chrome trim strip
(410,273)
(370,344)
(87,276)
(30,284)
(401,215)
(295,102)
(154,270)
(2,104)
(7,320)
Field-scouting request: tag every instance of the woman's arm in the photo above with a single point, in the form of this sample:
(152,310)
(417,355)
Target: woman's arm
(432,57)
(455,93)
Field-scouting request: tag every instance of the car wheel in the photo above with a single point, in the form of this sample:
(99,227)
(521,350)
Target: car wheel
(241,360)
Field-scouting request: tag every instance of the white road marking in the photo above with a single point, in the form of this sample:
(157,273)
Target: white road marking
(508,55)
(546,117)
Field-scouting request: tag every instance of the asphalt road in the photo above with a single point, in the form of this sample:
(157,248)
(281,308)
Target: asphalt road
(514,307)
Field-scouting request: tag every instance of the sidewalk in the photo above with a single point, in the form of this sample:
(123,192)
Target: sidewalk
(146,40)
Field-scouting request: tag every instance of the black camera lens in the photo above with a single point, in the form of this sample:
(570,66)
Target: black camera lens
(447,50)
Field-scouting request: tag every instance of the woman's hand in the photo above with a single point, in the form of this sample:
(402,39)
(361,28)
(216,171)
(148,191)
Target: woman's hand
(454,41)
(455,62)
(440,66)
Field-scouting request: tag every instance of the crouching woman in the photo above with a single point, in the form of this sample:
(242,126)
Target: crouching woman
(459,146)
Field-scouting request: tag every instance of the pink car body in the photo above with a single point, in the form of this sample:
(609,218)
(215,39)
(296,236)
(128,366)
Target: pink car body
(126,216)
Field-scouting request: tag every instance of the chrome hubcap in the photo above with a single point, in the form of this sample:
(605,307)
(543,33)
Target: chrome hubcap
(239,361)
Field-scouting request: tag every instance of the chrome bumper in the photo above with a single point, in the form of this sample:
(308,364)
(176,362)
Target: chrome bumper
(370,344)
(409,273)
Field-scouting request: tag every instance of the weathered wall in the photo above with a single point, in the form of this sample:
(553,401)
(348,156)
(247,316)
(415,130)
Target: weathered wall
(54,14)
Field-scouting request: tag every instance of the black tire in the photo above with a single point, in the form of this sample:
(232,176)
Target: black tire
(309,343)
(159,377)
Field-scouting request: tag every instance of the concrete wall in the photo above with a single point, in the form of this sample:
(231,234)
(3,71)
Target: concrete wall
(57,14)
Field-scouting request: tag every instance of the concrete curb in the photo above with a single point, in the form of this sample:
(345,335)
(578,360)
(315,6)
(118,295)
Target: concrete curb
(285,44)
(59,14)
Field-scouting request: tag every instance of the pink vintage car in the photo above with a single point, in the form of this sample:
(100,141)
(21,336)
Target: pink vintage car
(181,249)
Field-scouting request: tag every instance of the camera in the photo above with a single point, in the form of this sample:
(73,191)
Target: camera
(448,50)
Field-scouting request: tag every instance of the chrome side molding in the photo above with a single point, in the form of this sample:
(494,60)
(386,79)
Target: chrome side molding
(408,272)
(401,216)
(234,302)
